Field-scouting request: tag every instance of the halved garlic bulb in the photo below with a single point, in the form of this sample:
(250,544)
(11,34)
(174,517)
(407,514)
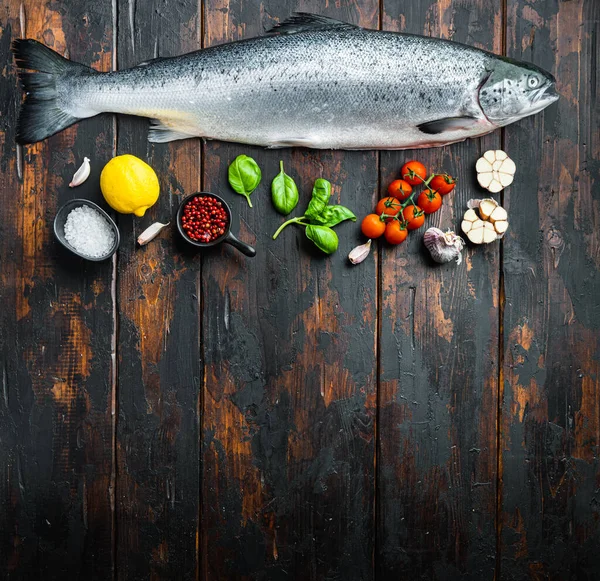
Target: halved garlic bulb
(489,225)
(495,170)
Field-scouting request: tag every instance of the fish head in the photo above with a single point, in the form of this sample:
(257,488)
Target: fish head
(514,90)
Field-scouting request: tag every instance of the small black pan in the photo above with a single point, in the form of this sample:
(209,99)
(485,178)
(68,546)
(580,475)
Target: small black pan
(228,237)
(61,218)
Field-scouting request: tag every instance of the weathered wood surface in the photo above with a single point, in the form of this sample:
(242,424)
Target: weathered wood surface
(291,416)
(289,338)
(160,363)
(551,409)
(439,353)
(56,321)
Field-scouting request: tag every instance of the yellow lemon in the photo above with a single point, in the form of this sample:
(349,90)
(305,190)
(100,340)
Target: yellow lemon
(129,185)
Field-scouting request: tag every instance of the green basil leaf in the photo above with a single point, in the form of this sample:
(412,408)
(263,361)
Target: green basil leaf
(244,176)
(320,198)
(284,192)
(332,215)
(324,238)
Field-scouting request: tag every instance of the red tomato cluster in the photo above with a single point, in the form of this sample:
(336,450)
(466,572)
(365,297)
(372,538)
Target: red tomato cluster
(398,212)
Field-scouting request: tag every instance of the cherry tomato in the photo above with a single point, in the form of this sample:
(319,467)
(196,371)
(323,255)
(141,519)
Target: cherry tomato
(442,183)
(414,172)
(372,226)
(390,206)
(400,189)
(429,201)
(396,232)
(414,216)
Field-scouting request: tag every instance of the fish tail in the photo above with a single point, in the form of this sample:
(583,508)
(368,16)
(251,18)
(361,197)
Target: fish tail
(42,113)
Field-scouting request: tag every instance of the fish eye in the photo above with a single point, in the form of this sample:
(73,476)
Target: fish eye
(533,82)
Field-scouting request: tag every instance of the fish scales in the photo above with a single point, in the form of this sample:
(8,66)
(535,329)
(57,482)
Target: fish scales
(287,88)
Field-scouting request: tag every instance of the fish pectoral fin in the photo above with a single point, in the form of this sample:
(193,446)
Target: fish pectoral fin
(303,22)
(293,142)
(448,124)
(161,133)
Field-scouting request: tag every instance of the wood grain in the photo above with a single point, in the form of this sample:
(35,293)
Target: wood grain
(159,332)
(439,347)
(56,324)
(289,338)
(551,412)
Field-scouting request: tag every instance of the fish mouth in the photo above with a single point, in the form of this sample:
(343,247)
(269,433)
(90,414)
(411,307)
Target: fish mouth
(542,97)
(547,93)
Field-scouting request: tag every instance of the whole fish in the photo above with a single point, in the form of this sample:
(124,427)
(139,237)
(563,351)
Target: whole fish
(311,81)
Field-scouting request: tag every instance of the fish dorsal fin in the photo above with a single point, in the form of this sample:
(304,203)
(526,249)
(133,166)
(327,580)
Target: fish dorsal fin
(304,22)
(152,61)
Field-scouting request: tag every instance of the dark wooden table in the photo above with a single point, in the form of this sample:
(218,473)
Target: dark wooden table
(170,415)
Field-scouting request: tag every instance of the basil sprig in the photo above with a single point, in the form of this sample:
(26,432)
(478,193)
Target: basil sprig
(284,192)
(320,218)
(244,176)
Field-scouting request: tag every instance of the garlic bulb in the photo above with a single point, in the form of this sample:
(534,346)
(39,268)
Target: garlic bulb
(82,174)
(443,246)
(489,225)
(151,232)
(495,170)
(358,254)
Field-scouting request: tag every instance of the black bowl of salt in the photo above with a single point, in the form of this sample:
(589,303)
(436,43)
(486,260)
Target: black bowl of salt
(86,230)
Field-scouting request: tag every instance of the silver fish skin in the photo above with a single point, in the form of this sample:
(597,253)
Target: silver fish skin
(312,82)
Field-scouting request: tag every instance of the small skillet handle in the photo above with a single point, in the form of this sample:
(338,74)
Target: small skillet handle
(241,246)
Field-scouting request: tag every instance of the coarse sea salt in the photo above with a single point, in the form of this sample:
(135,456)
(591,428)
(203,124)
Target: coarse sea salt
(88,232)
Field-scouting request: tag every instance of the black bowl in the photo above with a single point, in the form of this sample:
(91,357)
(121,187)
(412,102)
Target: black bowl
(228,237)
(61,218)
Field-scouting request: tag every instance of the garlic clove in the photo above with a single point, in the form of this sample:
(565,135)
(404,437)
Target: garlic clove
(483,165)
(495,186)
(486,207)
(485,179)
(469,220)
(489,233)
(151,232)
(499,214)
(501,226)
(490,156)
(81,174)
(508,166)
(500,155)
(505,179)
(470,215)
(358,254)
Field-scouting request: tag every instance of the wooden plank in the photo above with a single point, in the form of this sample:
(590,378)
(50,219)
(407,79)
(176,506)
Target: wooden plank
(439,348)
(159,353)
(289,339)
(551,411)
(55,326)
